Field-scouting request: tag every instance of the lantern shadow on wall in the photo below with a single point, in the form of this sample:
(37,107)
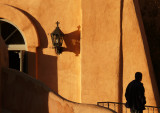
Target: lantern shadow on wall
(72,41)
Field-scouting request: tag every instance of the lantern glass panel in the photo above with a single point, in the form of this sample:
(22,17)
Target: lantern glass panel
(61,40)
(52,38)
(56,39)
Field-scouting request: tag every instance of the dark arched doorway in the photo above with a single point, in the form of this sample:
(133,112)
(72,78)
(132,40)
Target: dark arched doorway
(16,45)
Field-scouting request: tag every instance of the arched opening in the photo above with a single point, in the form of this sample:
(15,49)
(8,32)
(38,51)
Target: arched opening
(16,45)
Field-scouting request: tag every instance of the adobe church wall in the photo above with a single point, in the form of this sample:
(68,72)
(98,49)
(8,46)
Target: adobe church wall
(38,19)
(136,56)
(114,47)
(23,94)
(100,50)
(96,67)
(151,16)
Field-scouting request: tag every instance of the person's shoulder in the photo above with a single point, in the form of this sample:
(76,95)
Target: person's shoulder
(131,83)
(141,84)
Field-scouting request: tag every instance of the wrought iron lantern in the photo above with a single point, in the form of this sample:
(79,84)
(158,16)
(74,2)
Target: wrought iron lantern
(57,39)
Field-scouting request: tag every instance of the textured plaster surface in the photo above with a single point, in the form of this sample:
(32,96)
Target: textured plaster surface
(100,50)
(95,65)
(36,20)
(21,93)
(135,52)
(19,20)
(114,47)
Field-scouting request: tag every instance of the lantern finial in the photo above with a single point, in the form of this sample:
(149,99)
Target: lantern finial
(57,23)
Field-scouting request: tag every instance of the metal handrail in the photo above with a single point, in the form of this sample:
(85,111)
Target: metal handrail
(118,103)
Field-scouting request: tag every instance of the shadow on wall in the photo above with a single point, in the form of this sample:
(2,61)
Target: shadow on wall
(47,70)
(44,70)
(44,67)
(150,14)
(146,48)
(120,81)
(43,41)
(72,41)
(23,94)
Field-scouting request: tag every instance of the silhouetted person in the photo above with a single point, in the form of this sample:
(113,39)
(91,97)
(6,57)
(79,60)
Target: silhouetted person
(135,95)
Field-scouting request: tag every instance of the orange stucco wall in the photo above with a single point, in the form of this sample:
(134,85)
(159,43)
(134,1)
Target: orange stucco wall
(113,48)
(36,20)
(136,52)
(100,50)
(104,45)
(22,93)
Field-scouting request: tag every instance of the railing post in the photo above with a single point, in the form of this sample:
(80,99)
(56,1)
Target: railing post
(153,109)
(104,104)
(126,110)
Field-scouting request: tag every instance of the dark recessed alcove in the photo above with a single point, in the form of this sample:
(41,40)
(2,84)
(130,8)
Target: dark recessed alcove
(150,10)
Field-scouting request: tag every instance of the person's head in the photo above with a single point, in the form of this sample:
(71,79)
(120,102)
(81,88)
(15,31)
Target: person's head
(138,76)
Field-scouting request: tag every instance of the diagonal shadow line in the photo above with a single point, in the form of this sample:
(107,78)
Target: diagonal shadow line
(120,81)
(43,41)
(147,53)
(42,37)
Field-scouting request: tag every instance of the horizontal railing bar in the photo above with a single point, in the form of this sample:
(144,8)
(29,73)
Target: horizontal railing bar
(124,104)
(111,102)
